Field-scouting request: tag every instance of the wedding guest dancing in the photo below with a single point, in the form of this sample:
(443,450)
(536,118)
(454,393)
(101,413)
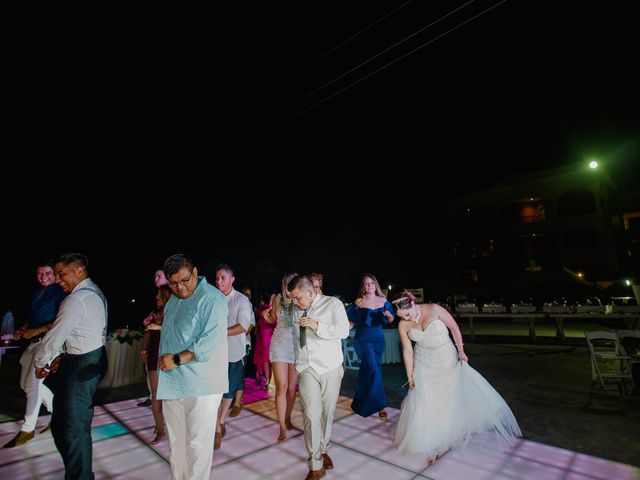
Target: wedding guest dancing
(448,401)
(149,355)
(282,355)
(79,332)
(44,307)
(319,325)
(192,366)
(367,315)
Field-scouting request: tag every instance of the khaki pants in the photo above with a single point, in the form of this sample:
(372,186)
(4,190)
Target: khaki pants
(319,395)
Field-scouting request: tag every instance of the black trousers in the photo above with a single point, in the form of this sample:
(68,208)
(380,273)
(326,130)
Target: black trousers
(77,380)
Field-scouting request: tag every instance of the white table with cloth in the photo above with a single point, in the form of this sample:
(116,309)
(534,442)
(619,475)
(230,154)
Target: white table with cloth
(125,365)
(392,353)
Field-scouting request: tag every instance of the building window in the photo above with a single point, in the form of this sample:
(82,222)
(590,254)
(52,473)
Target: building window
(524,212)
(581,202)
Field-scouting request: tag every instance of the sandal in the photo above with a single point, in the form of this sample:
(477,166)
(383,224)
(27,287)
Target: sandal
(431,461)
(382,414)
(288,424)
(283,436)
(158,438)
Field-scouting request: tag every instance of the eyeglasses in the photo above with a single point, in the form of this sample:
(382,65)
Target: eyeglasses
(184,282)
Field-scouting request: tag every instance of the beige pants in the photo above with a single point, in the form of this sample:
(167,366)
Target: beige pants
(319,395)
(191,428)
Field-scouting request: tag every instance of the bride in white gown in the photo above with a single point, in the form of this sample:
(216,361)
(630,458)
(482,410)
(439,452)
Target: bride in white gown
(448,402)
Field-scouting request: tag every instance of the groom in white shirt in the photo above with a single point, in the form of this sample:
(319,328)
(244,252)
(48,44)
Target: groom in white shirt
(320,324)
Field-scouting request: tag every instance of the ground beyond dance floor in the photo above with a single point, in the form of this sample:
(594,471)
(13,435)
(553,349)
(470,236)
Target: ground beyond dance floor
(361,448)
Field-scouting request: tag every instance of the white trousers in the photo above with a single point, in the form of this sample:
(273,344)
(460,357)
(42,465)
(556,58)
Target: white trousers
(36,391)
(191,428)
(319,395)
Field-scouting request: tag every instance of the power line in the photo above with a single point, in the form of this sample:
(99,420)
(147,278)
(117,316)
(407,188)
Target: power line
(384,66)
(360,65)
(330,51)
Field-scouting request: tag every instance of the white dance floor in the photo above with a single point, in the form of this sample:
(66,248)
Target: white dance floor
(361,448)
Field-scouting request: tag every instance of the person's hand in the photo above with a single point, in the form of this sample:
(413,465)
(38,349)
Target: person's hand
(41,372)
(166,363)
(389,316)
(463,356)
(153,326)
(17,335)
(308,322)
(55,364)
(411,384)
(31,332)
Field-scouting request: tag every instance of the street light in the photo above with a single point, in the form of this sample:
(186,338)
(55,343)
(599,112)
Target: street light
(593,164)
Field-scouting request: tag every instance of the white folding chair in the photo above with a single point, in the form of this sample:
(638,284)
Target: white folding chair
(351,360)
(630,343)
(609,362)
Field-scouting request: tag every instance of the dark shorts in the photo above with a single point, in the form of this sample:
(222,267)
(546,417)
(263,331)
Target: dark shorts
(236,378)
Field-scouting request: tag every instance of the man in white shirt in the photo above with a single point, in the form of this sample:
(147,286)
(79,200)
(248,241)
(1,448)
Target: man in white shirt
(320,323)
(79,330)
(238,321)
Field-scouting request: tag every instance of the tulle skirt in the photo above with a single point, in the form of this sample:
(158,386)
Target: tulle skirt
(451,406)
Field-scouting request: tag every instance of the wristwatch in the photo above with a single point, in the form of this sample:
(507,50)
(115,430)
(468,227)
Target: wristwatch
(176,359)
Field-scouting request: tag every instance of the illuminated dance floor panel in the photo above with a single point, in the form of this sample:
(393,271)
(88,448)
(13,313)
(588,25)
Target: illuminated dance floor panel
(361,448)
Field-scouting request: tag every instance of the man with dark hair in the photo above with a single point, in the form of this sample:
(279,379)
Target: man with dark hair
(44,308)
(319,325)
(192,366)
(79,331)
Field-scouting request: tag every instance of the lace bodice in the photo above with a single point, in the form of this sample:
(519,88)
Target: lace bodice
(435,334)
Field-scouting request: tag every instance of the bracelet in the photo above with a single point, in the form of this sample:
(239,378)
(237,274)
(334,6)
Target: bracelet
(459,344)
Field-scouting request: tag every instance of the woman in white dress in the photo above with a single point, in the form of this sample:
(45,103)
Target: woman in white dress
(282,355)
(448,401)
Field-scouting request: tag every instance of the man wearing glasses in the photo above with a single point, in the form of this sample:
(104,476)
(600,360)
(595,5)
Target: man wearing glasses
(192,366)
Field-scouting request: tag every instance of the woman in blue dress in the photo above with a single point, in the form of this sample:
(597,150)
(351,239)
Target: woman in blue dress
(367,315)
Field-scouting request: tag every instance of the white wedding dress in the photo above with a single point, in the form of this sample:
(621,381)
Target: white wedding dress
(451,403)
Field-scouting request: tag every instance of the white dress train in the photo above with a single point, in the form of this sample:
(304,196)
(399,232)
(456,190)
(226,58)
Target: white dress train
(451,403)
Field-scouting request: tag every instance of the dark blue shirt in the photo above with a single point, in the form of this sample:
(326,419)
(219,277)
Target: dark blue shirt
(44,306)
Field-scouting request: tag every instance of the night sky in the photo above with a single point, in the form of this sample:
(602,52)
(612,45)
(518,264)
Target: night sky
(307,91)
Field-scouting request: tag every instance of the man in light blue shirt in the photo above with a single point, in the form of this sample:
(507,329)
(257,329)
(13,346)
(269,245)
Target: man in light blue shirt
(192,365)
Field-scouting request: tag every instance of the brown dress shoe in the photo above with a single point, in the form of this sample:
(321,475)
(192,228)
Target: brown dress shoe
(315,474)
(20,439)
(326,461)
(46,429)
(235,411)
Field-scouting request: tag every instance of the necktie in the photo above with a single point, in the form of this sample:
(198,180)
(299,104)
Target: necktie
(303,333)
